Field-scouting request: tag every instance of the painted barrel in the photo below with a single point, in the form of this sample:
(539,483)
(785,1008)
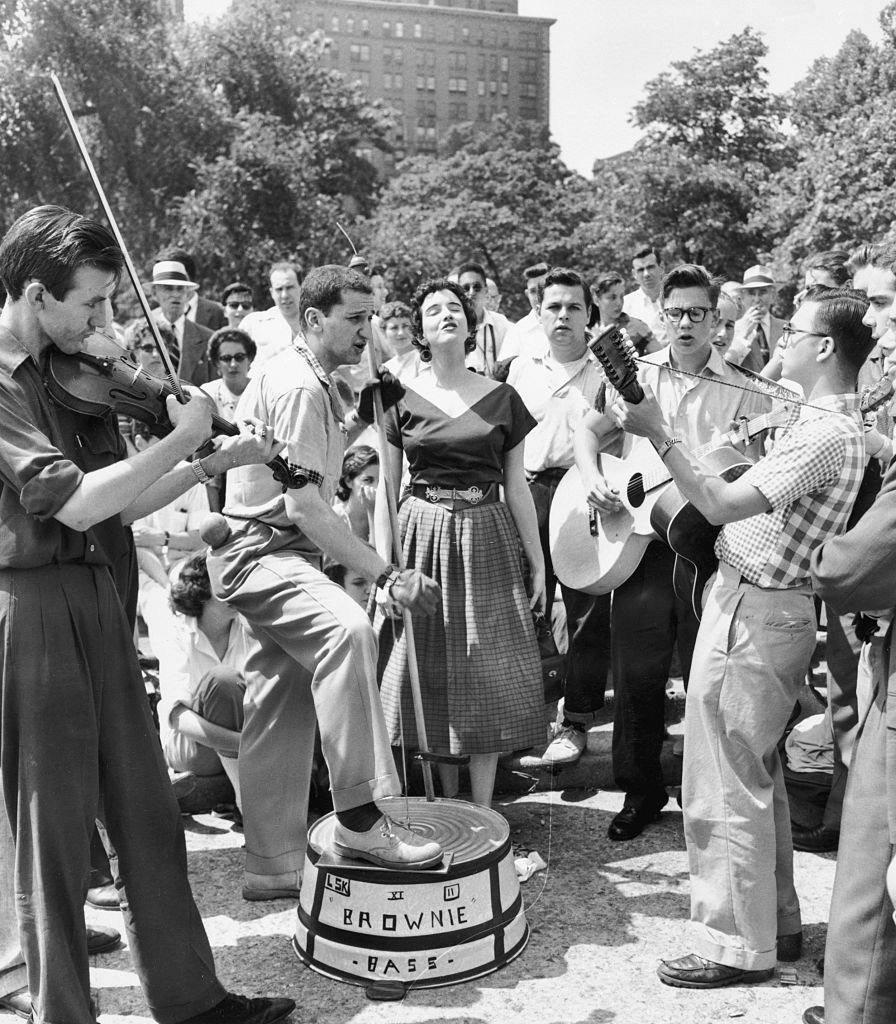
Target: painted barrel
(362,924)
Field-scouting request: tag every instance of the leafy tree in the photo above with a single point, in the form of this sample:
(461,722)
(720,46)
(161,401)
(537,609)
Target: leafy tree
(501,194)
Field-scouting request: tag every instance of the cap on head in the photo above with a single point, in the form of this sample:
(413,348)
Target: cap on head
(760,276)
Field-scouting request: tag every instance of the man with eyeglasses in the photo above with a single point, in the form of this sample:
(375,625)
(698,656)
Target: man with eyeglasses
(238,303)
(689,378)
(645,302)
(491,327)
(756,638)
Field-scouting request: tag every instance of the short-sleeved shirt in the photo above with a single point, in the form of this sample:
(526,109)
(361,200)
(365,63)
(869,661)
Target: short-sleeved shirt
(294,395)
(558,395)
(810,478)
(459,451)
(699,409)
(39,467)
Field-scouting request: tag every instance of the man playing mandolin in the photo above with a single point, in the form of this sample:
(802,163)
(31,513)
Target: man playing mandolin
(648,618)
(756,637)
(76,737)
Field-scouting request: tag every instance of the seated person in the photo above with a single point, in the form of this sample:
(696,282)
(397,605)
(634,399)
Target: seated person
(356,493)
(354,584)
(201,661)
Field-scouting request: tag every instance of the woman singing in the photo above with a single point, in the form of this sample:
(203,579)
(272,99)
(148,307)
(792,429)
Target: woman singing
(463,435)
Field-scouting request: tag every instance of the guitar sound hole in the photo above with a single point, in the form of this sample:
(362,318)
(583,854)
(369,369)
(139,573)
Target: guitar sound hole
(635,491)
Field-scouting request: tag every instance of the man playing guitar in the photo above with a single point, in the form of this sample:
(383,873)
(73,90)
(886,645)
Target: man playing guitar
(756,637)
(648,618)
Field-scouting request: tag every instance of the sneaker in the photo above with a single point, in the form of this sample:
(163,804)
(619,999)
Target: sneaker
(566,747)
(235,1009)
(387,844)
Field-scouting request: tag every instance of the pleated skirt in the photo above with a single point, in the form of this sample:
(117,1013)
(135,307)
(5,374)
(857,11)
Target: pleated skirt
(480,669)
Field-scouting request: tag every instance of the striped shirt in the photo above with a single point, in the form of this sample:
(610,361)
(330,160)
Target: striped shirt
(810,478)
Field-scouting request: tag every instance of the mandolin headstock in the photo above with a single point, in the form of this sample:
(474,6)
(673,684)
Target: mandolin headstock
(617,355)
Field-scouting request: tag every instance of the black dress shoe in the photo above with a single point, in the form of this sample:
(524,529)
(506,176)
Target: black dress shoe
(235,1009)
(101,940)
(633,819)
(790,947)
(693,971)
(814,1015)
(103,897)
(817,839)
(18,1003)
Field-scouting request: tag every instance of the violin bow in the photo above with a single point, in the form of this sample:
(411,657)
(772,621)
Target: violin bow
(167,361)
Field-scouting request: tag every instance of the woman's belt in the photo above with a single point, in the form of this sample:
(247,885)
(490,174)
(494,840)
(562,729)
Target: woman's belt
(456,498)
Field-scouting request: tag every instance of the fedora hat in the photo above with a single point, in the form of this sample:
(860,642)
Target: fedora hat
(759,276)
(171,272)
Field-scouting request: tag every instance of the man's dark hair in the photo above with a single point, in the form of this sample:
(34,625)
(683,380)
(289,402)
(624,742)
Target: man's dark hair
(645,251)
(692,275)
(286,266)
(839,313)
(191,589)
(833,262)
(536,270)
(49,244)
(235,288)
(884,257)
(441,284)
(233,335)
(471,267)
(323,287)
(395,311)
(180,256)
(572,279)
(607,281)
(860,257)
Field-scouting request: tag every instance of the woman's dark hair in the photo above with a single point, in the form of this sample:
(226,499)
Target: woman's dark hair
(393,311)
(441,284)
(356,460)
(607,281)
(233,335)
(191,588)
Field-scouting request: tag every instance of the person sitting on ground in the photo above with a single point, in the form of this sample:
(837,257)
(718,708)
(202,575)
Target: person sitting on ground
(201,662)
(356,493)
(608,291)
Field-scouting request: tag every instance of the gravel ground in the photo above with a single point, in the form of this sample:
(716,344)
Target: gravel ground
(601,916)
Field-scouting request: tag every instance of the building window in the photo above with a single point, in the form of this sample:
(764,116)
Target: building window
(399,81)
(431,83)
(399,30)
(334,23)
(493,87)
(503,88)
(465,34)
(398,55)
(387,80)
(418,30)
(387,28)
(359,53)
(363,78)
(349,24)
(505,65)
(421,82)
(365,27)
(480,88)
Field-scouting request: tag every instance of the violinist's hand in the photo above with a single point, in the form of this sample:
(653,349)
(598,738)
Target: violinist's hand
(193,419)
(254,444)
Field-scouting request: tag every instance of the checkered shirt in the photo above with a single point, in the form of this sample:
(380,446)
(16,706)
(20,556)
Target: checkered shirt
(810,478)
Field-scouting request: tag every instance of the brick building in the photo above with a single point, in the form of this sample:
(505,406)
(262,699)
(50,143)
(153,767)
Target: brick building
(437,63)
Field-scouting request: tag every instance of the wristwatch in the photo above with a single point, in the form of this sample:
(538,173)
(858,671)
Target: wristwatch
(387,578)
(200,473)
(667,446)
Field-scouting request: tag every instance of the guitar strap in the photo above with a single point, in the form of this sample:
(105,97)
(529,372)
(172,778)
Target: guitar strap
(600,399)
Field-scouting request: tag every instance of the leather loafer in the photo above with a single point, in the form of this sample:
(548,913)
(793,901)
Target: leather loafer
(235,1009)
(817,839)
(101,940)
(693,971)
(632,820)
(18,1003)
(790,947)
(814,1015)
(103,897)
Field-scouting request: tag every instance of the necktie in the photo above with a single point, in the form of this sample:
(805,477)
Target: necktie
(762,342)
(174,347)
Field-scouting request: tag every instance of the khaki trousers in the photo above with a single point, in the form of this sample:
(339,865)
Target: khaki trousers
(750,659)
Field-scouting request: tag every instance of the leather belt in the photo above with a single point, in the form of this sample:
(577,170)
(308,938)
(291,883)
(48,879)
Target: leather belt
(456,498)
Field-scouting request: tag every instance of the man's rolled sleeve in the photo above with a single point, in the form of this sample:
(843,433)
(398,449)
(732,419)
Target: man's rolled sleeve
(807,459)
(300,416)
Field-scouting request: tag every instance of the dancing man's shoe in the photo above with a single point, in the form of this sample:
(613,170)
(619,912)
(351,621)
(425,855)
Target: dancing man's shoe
(235,1009)
(693,971)
(103,897)
(387,844)
(634,818)
(790,947)
(101,939)
(817,839)
(18,1003)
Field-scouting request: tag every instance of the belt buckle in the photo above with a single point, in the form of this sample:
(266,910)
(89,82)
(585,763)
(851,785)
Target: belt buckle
(473,495)
(432,494)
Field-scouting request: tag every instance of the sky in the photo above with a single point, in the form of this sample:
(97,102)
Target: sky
(604,51)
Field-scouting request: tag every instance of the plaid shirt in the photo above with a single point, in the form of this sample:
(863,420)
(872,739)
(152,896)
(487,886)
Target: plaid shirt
(810,478)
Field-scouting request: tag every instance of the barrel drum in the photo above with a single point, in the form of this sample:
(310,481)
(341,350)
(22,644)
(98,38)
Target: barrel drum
(362,924)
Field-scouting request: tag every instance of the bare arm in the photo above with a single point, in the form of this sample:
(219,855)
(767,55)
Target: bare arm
(590,438)
(201,730)
(519,501)
(381,519)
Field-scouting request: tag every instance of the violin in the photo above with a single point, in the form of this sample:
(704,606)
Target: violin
(103,378)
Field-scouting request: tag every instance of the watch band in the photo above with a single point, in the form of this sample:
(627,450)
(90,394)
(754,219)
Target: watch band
(387,577)
(200,473)
(667,446)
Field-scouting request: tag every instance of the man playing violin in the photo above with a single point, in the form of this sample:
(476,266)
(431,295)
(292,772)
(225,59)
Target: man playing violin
(755,640)
(76,738)
(648,619)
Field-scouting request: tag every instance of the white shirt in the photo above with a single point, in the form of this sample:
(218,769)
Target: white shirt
(490,336)
(270,331)
(525,337)
(639,304)
(558,395)
(406,366)
(225,399)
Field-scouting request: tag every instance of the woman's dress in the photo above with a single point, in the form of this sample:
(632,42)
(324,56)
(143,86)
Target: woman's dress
(480,670)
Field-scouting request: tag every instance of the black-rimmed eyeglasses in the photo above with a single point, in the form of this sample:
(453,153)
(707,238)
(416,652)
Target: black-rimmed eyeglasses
(696,314)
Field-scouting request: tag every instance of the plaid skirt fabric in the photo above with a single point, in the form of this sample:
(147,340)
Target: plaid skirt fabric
(480,670)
